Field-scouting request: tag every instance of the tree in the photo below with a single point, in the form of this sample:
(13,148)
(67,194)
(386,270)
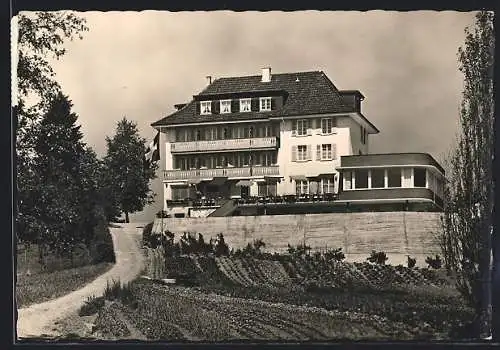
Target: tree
(127,175)
(39,35)
(67,185)
(466,240)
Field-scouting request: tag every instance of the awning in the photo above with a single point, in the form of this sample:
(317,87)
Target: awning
(330,175)
(194,181)
(273,178)
(299,177)
(218,181)
(243,183)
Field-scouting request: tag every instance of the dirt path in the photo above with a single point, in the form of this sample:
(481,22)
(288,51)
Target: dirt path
(39,319)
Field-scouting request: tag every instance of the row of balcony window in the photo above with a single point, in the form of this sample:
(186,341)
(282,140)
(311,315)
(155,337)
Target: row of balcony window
(215,133)
(224,160)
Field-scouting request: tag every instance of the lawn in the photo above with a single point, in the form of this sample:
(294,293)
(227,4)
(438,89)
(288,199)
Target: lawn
(43,286)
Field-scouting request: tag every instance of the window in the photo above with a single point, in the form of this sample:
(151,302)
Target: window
(326,125)
(327,185)
(265,103)
(245,105)
(326,152)
(225,106)
(301,187)
(394,177)
(378,178)
(348,180)
(300,127)
(206,107)
(266,189)
(364,135)
(419,177)
(302,152)
(361,178)
(179,193)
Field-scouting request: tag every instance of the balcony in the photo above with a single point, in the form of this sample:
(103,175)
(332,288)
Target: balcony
(224,145)
(171,175)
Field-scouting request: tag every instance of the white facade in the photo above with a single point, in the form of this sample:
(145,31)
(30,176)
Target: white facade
(345,139)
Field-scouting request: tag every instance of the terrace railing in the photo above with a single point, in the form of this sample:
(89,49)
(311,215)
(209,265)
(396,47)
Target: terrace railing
(193,174)
(221,145)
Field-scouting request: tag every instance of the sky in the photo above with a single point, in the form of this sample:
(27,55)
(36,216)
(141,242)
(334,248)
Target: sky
(139,64)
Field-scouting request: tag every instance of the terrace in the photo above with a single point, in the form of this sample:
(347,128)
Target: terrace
(172,175)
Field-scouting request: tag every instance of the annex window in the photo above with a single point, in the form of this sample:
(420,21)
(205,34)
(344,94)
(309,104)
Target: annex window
(206,107)
(225,106)
(378,176)
(394,177)
(419,177)
(347,180)
(301,187)
(326,125)
(265,103)
(361,178)
(267,189)
(245,105)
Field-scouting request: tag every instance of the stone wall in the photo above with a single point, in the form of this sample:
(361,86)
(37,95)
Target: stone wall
(397,233)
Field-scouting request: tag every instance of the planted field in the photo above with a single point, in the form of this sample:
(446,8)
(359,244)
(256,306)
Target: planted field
(179,313)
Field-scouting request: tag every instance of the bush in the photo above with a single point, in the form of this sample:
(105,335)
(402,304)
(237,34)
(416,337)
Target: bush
(121,292)
(146,234)
(161,214)
(101,246)
(299,250)
(411,262)
(377,258)
(220,247)
(334,254)
(434,263)
(92,306)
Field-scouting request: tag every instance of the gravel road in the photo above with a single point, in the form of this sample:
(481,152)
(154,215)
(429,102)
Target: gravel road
(37,320)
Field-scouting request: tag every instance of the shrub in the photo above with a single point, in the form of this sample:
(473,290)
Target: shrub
(411,262)
(299,250)
(121,292)
(101,246)
(220,247)
(146,234)
(377,257)
(161,214)
(92,305)
(334,254)
(434,263)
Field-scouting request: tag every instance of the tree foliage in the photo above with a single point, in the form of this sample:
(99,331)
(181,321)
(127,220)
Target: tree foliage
(466,241)
(127,177)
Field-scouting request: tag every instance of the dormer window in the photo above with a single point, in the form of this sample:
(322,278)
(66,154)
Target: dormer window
(206,107)
(245,105)
(265,103)
(225,106)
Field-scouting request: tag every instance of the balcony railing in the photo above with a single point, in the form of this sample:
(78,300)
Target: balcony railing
(220,172)
(224,145)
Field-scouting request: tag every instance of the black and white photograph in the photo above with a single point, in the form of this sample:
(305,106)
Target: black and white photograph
(254,176)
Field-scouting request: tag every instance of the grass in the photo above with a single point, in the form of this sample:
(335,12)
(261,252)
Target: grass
(43,286)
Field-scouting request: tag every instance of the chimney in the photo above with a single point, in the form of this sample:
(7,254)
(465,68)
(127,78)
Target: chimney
(209,79)
(266,74)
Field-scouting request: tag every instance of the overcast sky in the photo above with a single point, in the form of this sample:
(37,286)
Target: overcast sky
(139,64)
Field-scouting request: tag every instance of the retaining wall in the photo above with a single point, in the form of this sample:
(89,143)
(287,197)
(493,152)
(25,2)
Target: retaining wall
(397,233)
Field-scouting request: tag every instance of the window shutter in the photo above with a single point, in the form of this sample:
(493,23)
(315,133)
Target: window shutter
(294,153)
(294,127)
(235,105)
(255,104)
(198,108)
(334,151)
(309,152)
(215,107)
(318,152)
(319,126)
(273,103)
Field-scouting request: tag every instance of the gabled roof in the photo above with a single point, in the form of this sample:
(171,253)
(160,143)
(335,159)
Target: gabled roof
(307,93)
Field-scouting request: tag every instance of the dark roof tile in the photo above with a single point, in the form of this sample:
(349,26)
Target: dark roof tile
(308,93)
